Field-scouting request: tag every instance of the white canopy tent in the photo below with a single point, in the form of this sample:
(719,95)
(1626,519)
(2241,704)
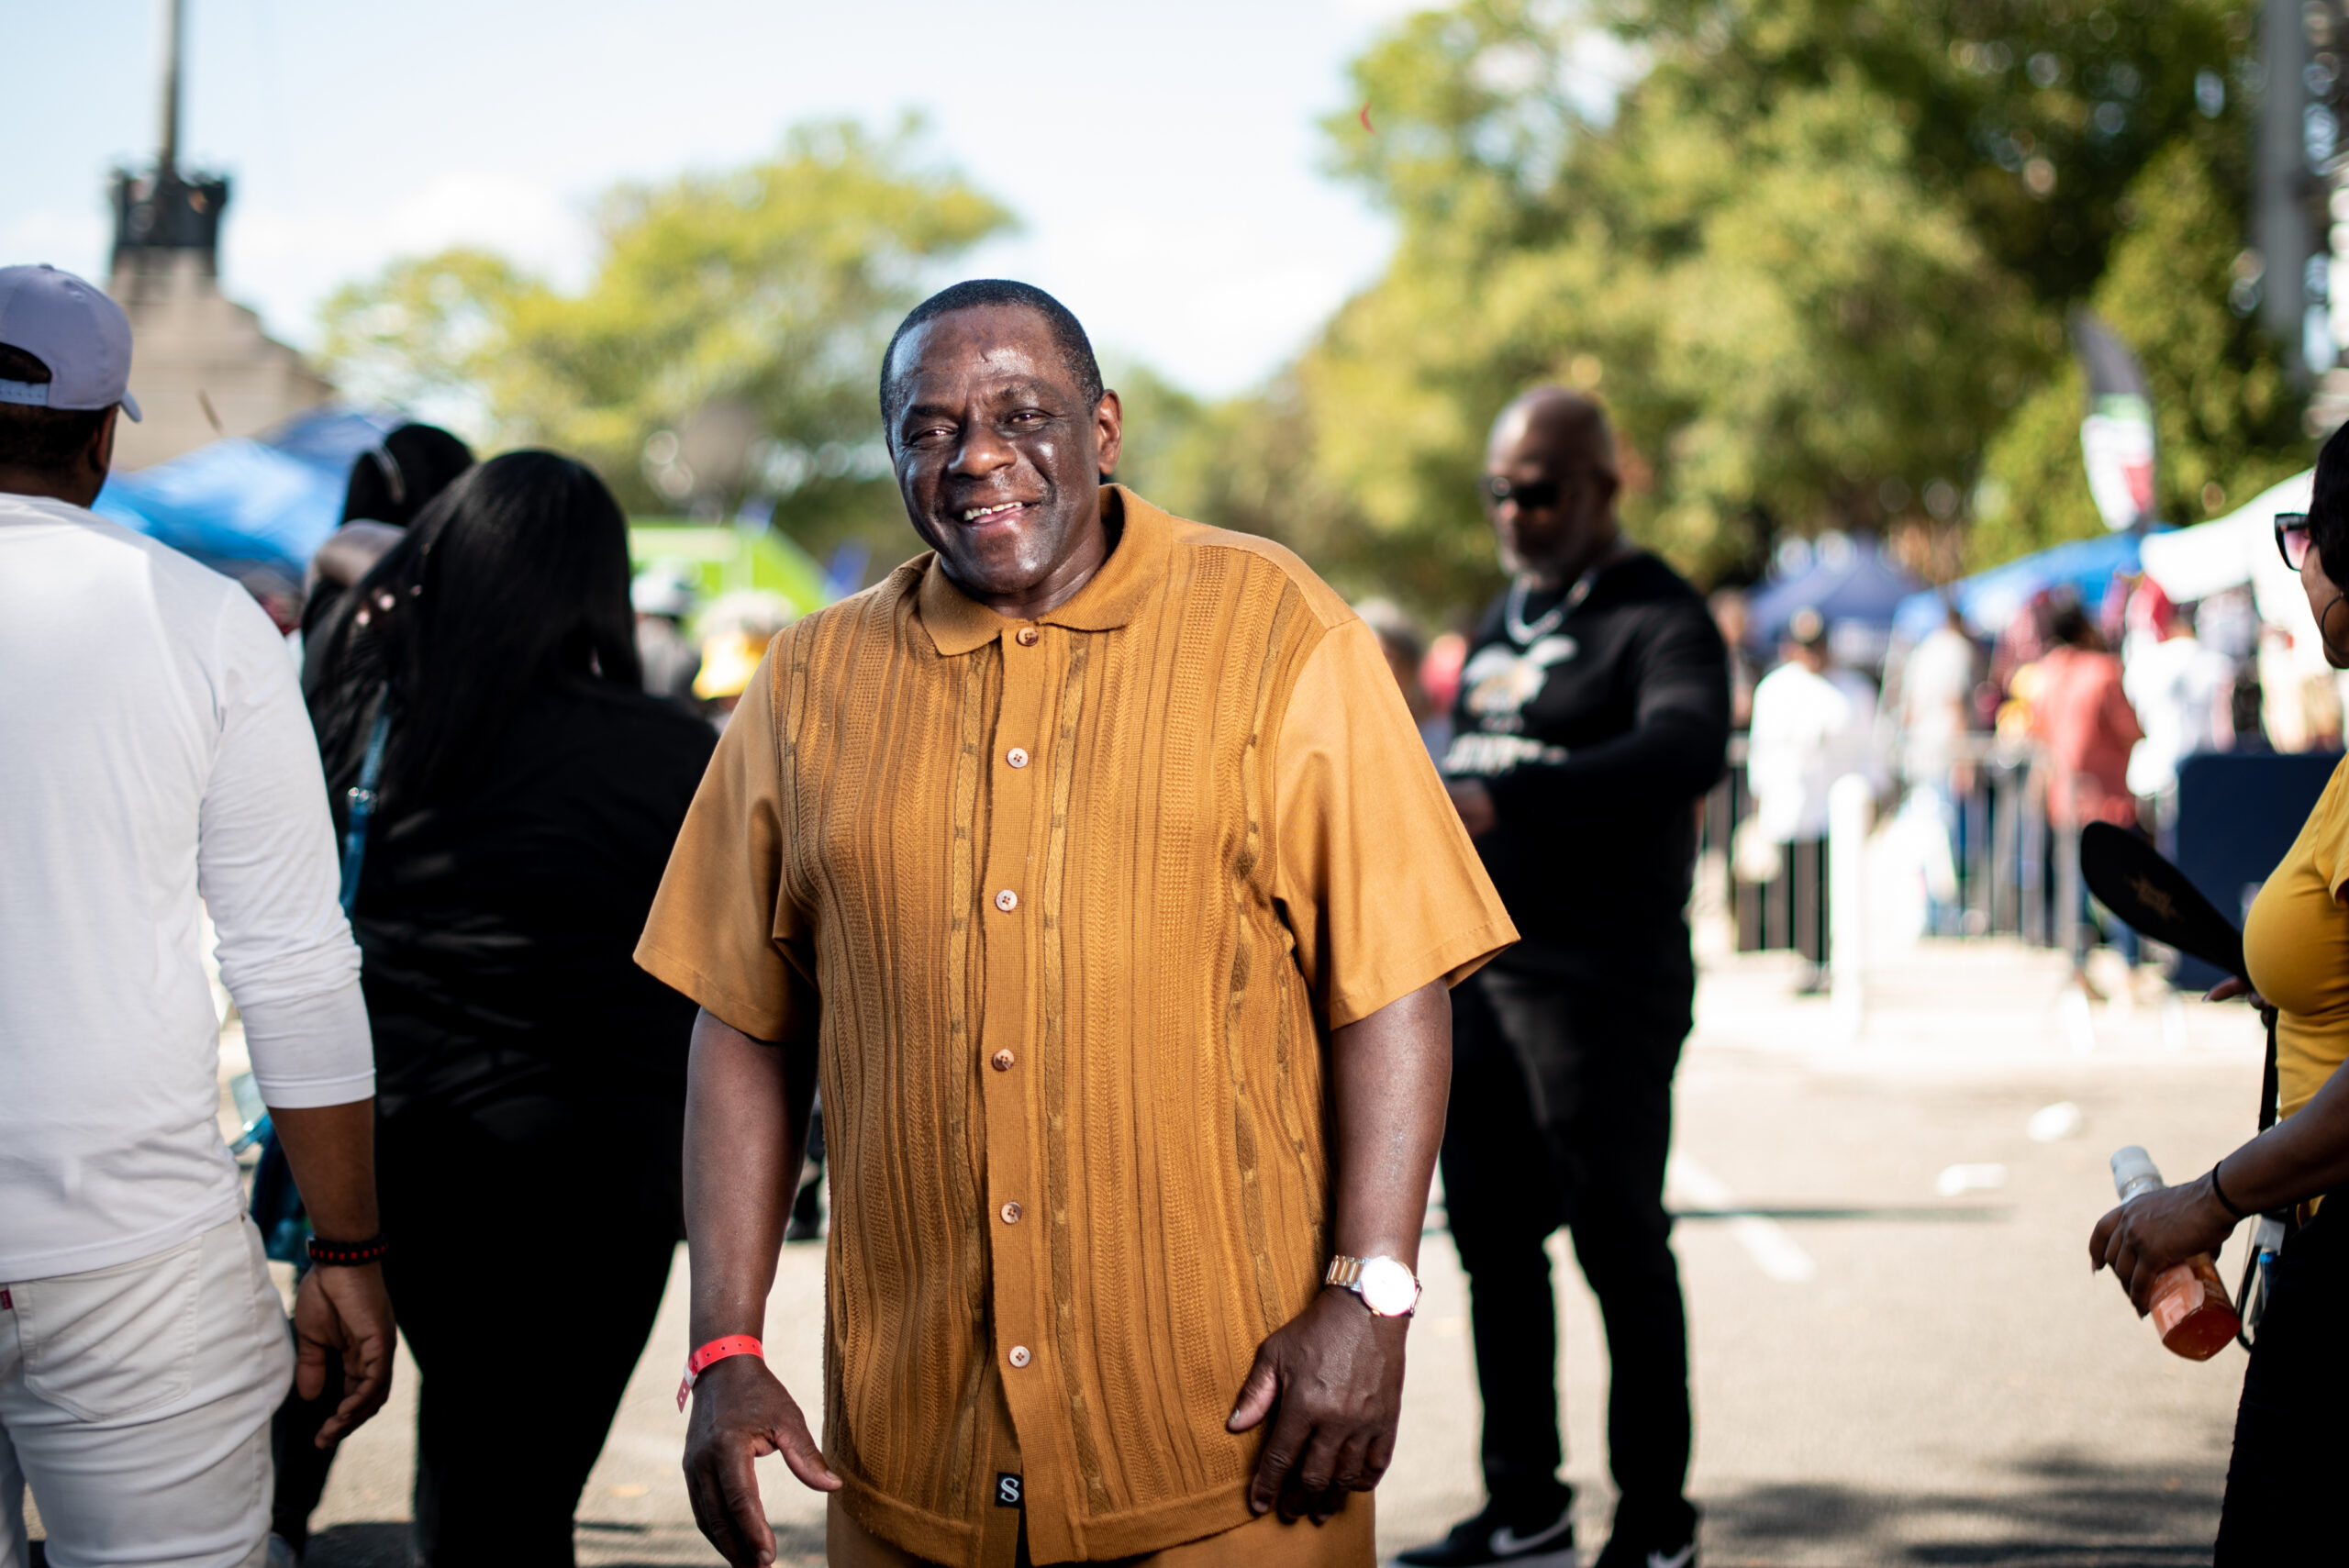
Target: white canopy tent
(2240,548)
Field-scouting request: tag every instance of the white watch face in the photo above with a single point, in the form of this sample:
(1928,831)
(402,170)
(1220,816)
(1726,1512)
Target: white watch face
(1387,1287)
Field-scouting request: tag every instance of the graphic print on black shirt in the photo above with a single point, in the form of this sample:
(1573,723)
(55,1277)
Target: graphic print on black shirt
(1596,740)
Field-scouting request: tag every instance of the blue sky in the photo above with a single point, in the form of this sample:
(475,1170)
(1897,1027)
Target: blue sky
(1164,159)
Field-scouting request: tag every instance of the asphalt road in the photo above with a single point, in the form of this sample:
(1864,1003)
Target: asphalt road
(1887,1372)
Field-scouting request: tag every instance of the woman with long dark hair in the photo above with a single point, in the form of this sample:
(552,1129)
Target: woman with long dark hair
(530,1077)
(390,484)
(2291,1443)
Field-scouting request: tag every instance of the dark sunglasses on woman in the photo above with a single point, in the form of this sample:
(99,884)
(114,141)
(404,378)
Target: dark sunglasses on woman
(2292,537)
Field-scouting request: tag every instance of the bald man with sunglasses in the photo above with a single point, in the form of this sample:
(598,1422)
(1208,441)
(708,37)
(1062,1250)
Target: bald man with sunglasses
(1593,716)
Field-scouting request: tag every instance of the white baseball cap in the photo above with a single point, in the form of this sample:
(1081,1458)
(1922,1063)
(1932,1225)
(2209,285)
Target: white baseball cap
(73,329)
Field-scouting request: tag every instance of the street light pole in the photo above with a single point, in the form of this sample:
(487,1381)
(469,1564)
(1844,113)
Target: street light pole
(167,160)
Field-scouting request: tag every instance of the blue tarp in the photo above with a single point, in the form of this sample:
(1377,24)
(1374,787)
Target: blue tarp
(1847,581)
(1990,600)
(270,501)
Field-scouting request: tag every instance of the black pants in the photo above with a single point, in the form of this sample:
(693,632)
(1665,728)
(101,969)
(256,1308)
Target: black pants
(2291,1433)
(532,1240)
(1807,887)
(1562,1114)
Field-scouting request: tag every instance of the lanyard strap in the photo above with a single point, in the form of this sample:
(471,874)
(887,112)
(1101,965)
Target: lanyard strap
(361,799)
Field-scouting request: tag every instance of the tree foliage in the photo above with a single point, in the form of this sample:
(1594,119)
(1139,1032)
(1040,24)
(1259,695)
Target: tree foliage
(1815,254)
(754,302)
(2225,424)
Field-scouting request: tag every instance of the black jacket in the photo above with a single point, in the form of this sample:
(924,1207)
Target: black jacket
(1597,742)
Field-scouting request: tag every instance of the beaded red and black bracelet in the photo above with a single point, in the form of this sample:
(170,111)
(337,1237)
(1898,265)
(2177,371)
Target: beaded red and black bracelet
(349,1254)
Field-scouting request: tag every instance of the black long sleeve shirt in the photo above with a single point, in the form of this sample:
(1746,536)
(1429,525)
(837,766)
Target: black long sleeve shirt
(1597,740)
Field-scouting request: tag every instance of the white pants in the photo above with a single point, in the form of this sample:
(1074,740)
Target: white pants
(136,1401)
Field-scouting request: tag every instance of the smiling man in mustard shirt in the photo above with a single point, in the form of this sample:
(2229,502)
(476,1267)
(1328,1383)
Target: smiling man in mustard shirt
(1093,863)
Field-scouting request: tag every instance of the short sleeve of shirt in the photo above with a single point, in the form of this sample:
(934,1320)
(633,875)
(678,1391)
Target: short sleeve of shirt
(2328,831)
(722,930)
(1381,886)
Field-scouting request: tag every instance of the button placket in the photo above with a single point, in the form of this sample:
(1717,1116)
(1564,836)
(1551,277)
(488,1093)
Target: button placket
(1010,932)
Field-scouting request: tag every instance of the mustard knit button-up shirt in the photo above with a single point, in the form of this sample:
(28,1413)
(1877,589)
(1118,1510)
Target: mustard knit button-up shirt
(1220,840)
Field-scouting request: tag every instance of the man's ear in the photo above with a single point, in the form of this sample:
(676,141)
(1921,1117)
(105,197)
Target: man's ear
(99,453)
(1109,432)
(1610,487)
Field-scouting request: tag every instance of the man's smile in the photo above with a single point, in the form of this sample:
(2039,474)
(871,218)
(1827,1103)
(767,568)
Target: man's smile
(977,513)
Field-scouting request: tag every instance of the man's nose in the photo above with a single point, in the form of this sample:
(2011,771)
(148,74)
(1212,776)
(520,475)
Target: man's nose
(982,452)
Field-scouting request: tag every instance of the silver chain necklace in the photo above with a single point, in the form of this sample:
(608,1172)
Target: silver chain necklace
(1526,633)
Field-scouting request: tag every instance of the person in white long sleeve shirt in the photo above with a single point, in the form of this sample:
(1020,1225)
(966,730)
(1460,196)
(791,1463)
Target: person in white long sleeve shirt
(1812,724)
(154,751)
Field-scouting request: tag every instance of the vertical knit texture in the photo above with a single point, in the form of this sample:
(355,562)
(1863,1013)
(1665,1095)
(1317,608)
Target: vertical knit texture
(1174,1104)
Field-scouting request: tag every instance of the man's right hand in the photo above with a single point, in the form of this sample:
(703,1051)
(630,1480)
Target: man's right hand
(743,1413)
(347,1310)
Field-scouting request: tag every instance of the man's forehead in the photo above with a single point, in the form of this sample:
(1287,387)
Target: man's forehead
(993,345)
(1531,433)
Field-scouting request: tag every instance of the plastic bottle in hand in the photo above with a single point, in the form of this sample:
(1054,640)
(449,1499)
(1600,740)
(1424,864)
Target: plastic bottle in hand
(2190,1310)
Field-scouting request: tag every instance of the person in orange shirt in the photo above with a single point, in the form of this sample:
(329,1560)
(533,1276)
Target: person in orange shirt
(1093,864)
(2082,716)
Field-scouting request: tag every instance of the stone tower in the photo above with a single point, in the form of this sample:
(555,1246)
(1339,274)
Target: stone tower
(200,366)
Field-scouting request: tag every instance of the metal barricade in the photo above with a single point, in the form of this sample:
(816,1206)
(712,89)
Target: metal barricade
(2004,857)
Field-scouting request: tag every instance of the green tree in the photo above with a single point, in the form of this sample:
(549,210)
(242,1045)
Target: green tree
(1814,254)
(751,305)
(2225,423)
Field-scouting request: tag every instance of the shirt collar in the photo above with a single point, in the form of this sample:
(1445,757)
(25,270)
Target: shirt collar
(958,623)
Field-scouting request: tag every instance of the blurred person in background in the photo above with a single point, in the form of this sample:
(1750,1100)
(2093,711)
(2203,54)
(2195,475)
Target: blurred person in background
(1440,679)
(155,764)
(735,630)
(1734,617)
(1399,640)
(389,485)
(531,1078)
(2016,650)
(2080,712)
(2290,1444)
(1592,717)
(663,599)
(2181,693)
(1937,685)
(1814,722)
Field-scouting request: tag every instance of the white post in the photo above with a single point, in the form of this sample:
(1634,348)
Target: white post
(1851,806)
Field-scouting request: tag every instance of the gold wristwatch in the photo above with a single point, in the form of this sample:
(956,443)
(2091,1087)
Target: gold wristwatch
(1386,1286)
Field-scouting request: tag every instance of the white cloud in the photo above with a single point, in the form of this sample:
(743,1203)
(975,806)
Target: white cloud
(283,263)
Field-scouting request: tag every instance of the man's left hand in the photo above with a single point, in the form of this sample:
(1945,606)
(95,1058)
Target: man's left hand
(1333,1380)
(1474,804)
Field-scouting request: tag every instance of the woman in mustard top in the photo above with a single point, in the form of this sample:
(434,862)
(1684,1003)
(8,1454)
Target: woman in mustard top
(2291,1445)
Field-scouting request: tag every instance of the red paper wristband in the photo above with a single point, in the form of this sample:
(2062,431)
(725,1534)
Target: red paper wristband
(713,1352)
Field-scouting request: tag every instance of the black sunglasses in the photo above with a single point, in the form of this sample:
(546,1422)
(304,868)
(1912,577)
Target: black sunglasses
(1531,497)
(2292,537)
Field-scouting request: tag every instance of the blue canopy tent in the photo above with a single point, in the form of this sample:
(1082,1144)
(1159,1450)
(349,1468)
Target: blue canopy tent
(1854,585)
(240,503)
(1990,600)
